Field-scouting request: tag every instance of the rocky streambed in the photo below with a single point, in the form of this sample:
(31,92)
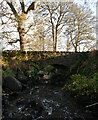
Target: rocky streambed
(43,101)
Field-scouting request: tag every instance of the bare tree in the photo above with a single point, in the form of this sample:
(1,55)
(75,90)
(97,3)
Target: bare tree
(81,26)
(40,31)
(19,13)
(49,22)
(57,13)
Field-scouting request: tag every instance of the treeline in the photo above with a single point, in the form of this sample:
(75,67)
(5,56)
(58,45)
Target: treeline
(53,26)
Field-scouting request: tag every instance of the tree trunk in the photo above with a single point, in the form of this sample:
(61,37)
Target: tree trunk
(75,49)
(55,47)
(40,44)
(68,44)
(21,23)
(22,40)
(21,30)
(43,44)
(53,37)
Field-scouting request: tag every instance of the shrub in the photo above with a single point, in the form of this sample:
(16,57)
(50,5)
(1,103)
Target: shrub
(34,65)
(49,68)
(84,85)
(33,70)
(8,72)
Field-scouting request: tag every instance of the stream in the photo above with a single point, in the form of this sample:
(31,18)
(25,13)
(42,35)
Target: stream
(43,102)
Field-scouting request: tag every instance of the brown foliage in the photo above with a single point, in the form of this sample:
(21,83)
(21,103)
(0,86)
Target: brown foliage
(93,53)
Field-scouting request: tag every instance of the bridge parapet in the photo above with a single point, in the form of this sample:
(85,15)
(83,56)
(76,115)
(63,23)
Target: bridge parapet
(45,58)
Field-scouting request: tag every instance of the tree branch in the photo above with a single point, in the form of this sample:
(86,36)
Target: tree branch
(12,8)
(22,6)
(91,105)
(28,28)
(31,7)
(14,41)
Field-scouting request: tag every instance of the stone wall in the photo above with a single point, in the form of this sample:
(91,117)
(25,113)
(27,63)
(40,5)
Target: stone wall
(34,55)
(44,58)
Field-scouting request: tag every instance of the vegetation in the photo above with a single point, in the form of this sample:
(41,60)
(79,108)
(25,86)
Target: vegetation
(84,85)
(49,68)
(8,72)
(18,62)
(85,82)
(33,70)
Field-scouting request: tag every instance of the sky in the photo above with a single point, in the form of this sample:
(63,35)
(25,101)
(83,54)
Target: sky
(90,3)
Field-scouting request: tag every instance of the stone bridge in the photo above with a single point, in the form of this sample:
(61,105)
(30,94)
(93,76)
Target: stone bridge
(63,60)
(46,58)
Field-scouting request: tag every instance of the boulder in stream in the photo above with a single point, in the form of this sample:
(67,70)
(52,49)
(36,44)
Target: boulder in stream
(12,83)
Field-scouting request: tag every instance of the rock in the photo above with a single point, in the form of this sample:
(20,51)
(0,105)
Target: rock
(21,76)
(30,108)
(41,73)
(46,77)
(12,83)
(10,115)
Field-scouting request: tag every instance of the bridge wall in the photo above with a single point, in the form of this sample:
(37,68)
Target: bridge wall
(44,58)
(35,55)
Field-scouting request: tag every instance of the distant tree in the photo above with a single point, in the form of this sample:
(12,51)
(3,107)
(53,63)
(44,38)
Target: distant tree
(81,26)
(38,37)
(39,33)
